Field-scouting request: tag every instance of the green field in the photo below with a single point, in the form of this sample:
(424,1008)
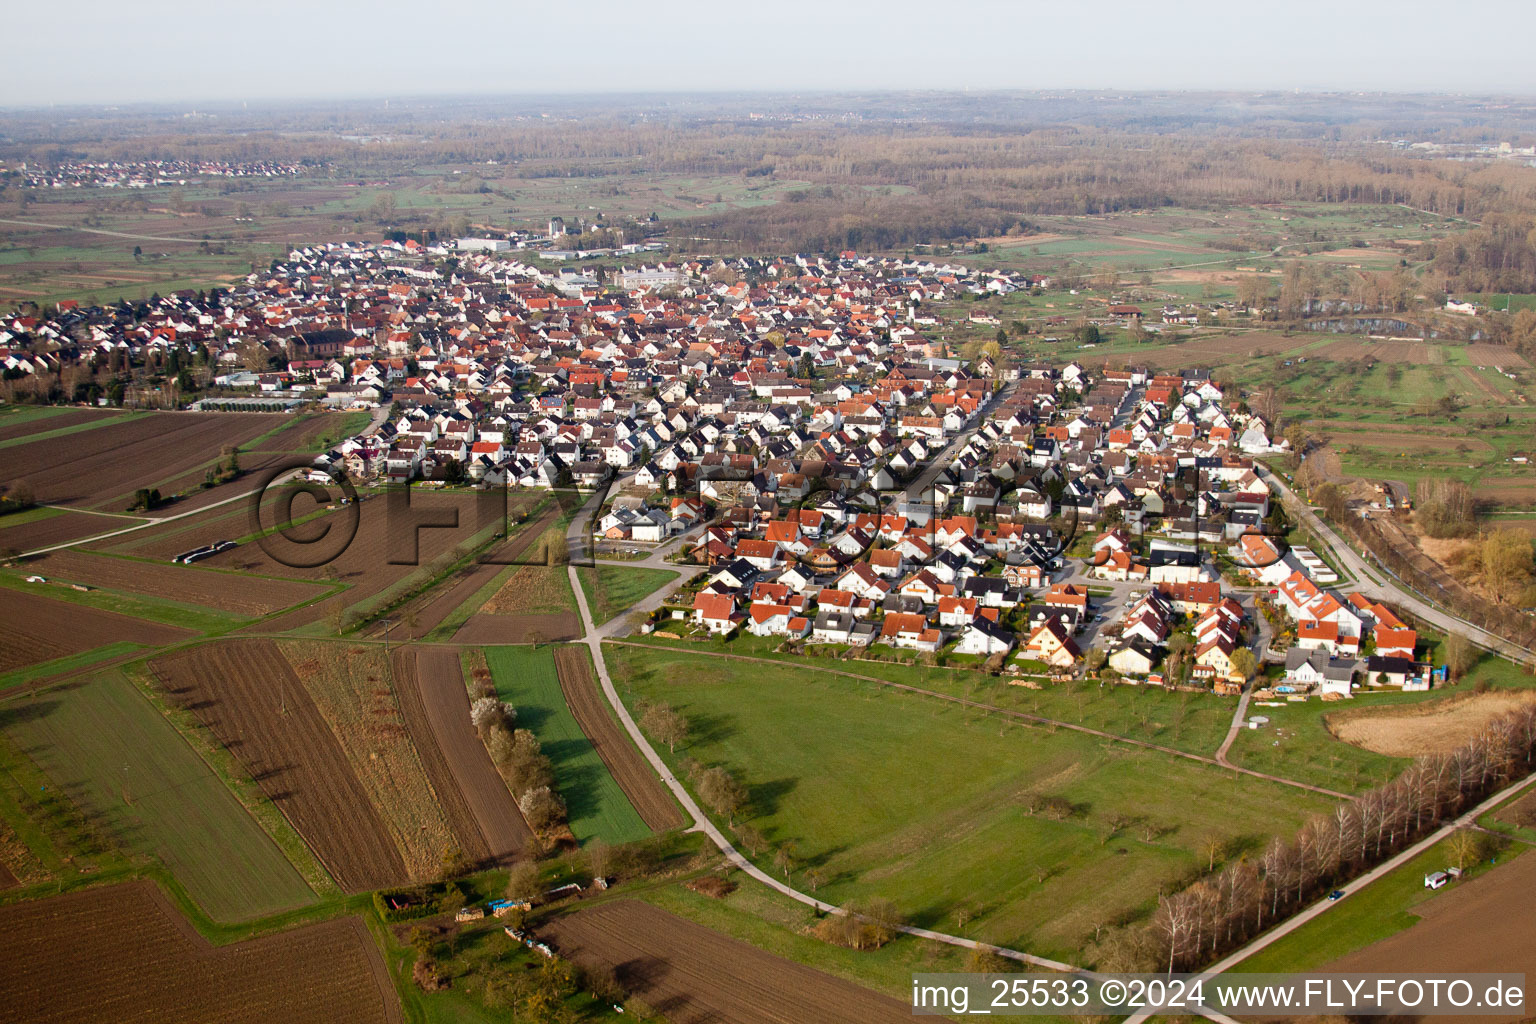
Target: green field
(923,802)
(597,807)
(611,590)
(116,757)
(1183,720)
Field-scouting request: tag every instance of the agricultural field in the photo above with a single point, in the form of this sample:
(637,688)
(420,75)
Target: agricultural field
(249,698)
(314,432)
(363,568)
(441,610)
(36,629)
(21,426)
(1303,740)
(189,236)
(100,468)
(118,759)
(596,804)
(573,664)
(434,702)
(124,953)
(611,590)
(1430,727)
(352,686)
(45,527)
(241,595)
(698,974)
(1073,832)
(1361,933)
(1195,723)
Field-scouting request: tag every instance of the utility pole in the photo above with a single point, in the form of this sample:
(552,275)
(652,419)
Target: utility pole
(386,636)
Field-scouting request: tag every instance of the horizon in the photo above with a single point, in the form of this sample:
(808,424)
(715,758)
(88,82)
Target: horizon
(298,52)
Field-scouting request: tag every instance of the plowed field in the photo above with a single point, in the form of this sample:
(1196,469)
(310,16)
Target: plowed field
(435,706)
(244,595)
(38,629)
(699,975)
(97,467)
(122,953)
(246,693)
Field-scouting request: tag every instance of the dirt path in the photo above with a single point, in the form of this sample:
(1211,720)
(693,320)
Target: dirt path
(440,680)
(659,811)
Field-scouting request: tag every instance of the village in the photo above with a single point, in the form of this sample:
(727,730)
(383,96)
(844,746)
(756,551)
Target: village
(844,477)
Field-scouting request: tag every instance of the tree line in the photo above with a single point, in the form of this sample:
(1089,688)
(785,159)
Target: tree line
(1224,909)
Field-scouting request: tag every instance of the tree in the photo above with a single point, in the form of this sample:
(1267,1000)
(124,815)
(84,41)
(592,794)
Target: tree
(1087,334)
(1465,847)
(542,808)
(723,792)
(666,725)
(784,858)
(750,838)
(1460,655)
(1244,663)
(523,882)
(254,355)
(985,959)
(1506,561)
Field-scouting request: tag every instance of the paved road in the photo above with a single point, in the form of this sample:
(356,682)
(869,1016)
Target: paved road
(917,490)
(593,638)
(1322,906)
(1356,566)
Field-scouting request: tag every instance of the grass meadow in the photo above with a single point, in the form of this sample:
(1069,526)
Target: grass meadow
(597,807)
(885,793)
(117,758)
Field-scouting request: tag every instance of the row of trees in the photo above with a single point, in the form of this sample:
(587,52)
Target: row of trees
(521,761)
(1224,909)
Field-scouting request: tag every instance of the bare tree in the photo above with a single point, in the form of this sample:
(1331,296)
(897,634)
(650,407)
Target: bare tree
(666,724)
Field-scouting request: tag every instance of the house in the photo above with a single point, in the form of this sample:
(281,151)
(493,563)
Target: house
(715,612)
(1321,635)
(1380,671)
(768,619)
(1052,644)
(1339,676)
(1136,658)
(832,627)
(1304,667)
(1396,643)
(909,630)
(983,636)
(1216,655)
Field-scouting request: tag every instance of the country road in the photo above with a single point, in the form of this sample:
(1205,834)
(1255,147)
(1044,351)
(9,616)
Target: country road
(1356,566)
(1323,905)
(101,231)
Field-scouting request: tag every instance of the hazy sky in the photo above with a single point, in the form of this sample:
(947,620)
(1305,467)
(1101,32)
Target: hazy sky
(95,51)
